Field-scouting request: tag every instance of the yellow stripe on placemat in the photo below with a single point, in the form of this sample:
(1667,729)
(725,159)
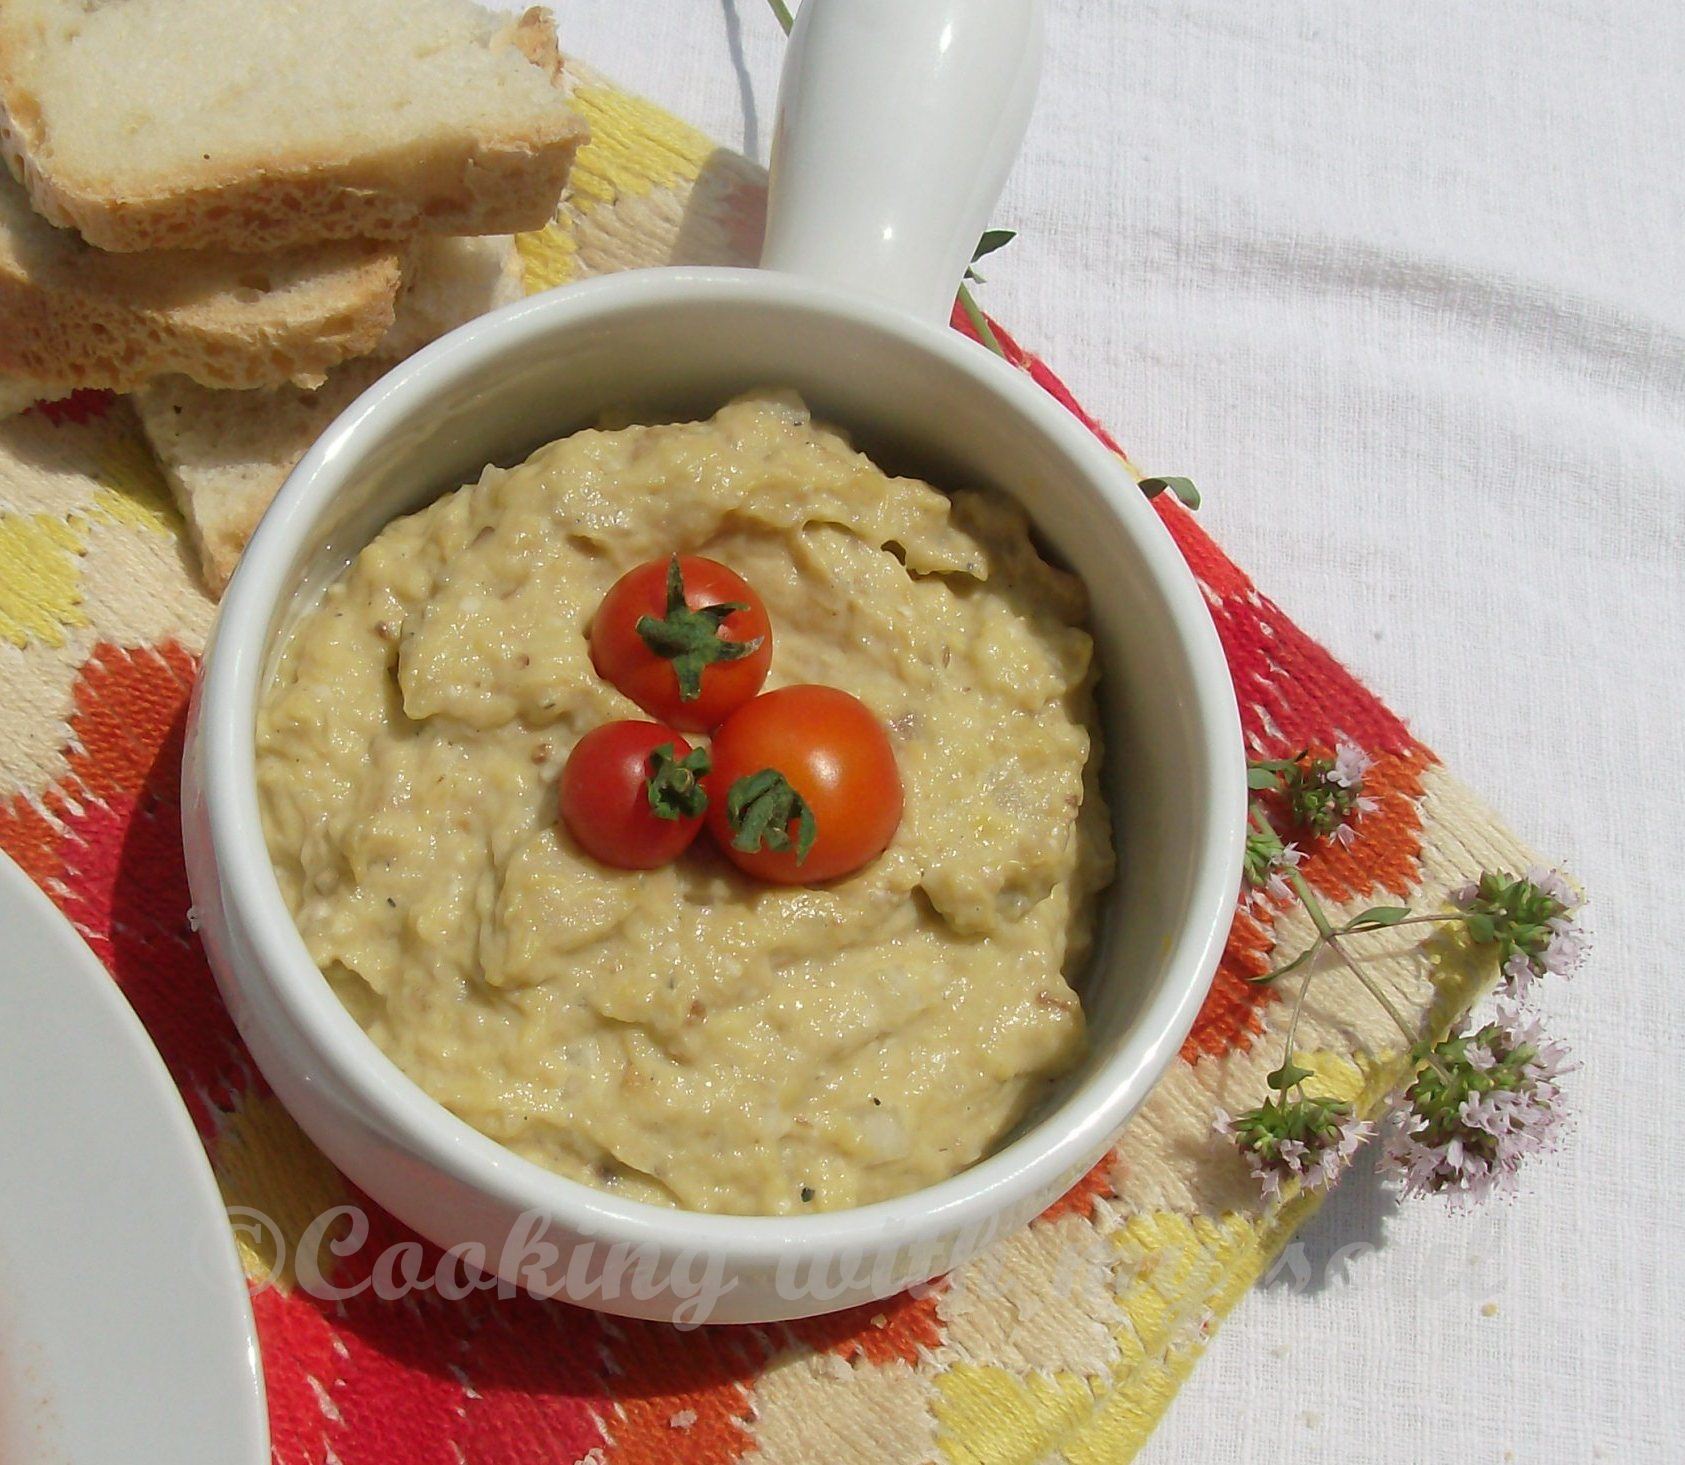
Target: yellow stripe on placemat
(549,256)
(635,148)
(275,1183)
(40,592)
(991,1417)
(135,493)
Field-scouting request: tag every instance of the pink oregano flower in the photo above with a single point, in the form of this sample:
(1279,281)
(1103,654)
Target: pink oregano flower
(1531,919)
(1481,1104)
(1308,1138)
(1325,794)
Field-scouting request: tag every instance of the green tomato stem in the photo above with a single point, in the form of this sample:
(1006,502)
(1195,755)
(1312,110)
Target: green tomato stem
(760,807)
(691,639)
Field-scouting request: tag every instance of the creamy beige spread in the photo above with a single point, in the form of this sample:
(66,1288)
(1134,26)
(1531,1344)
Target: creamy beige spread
(687,1035)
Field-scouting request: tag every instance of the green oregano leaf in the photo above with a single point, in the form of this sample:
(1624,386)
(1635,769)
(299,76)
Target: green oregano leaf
(992,240)
(1281,971)
(1287,1075)
(674,785)
(691,639)
(1182,488)
(1377,917)
(1260,776)
(760,807)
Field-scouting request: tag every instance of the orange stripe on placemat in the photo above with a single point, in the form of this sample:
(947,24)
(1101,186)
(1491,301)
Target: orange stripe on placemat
(33,841)
(1097,1185)
(1385,852)
(1230,1017)
(877,1331)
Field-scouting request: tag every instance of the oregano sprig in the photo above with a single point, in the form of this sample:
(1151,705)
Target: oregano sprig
(1477,1103)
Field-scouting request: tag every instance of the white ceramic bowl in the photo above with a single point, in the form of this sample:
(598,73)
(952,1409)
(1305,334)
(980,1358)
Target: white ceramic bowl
(918,397)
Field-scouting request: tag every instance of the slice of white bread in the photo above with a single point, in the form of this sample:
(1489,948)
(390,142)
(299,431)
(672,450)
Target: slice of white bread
(453,281)
(226,454)
(76,315)
(259,124)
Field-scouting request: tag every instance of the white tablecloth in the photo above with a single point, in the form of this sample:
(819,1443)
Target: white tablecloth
(1402,286)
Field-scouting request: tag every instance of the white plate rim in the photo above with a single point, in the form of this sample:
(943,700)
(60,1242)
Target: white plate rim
(234,1429)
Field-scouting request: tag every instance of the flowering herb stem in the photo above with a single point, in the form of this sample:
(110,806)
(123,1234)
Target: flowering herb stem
(1328,936)
(1375,990)
(1477,1102)
(1313,907)
(782,11)
(1438,918)
(1293,1028)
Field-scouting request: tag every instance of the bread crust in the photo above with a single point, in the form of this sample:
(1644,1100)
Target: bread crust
(474,185)
(115,324)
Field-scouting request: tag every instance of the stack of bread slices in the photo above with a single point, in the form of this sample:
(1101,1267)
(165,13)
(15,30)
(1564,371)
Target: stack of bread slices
(241,212)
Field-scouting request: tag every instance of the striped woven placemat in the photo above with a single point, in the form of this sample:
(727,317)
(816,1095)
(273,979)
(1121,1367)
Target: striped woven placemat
(1065,1341)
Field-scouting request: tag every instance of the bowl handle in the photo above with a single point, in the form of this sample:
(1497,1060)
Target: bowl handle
(898,121)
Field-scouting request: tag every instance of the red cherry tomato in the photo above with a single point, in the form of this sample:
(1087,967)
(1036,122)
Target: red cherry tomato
(685,638)
(631,795)
(803,767)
